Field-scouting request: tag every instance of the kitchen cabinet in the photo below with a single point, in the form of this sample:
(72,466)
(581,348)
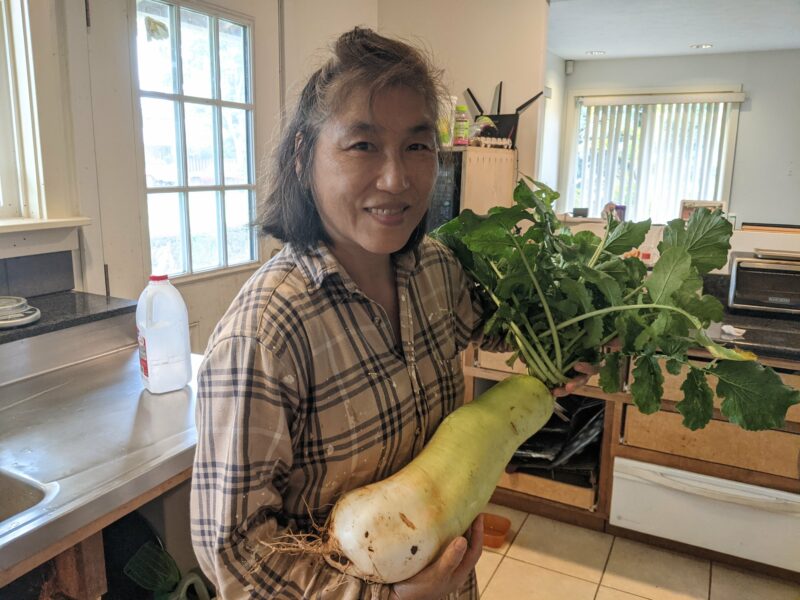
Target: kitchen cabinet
(472,178)
(763,465)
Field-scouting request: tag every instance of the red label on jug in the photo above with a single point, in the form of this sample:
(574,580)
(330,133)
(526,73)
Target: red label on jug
(143,355)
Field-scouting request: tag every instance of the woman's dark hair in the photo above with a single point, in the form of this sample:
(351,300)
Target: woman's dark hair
(361,59)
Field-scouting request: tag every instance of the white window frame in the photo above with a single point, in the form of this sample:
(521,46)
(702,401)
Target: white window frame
(628,95)
(21,173)
(138,94)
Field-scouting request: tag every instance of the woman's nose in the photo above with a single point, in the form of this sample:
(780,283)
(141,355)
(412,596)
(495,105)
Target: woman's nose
(393,177)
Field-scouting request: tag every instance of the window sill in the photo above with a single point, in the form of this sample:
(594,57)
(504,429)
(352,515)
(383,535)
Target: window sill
(180,280)
(24,225)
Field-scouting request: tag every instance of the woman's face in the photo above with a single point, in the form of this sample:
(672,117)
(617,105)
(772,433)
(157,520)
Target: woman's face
(373,170)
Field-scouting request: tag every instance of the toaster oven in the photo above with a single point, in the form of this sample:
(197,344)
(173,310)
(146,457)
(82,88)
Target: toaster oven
(765,280)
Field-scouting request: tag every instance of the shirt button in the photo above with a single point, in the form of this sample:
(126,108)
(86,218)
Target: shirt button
(377,321)
(417,432)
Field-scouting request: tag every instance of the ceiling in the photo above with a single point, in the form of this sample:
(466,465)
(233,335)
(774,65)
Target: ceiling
(634,28)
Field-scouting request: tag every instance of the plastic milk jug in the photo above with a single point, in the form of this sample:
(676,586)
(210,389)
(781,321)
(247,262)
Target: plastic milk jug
(162,322)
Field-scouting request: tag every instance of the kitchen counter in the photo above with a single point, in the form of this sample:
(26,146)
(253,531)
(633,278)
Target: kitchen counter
(67,309)
(93,440)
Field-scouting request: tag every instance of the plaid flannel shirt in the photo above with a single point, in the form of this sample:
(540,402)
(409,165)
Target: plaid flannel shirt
(304,395)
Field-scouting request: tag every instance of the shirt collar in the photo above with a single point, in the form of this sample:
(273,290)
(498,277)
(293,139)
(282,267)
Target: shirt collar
(319,263)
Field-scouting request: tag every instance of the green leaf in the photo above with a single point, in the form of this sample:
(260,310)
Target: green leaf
(697,406)
(626,235)
(648,384)
(497,320)
(583,246)
(593,326)
(755,398)
(610,379)
(565,307)
(496,244)
(674,366)
(706,237)
(706,308)
(669,274)
(605,283)
(629,327)
(718,351)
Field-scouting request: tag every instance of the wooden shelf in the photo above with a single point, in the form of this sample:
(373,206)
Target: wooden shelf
(549,489)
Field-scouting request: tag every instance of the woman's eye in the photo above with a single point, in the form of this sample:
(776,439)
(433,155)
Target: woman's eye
(362,146)
(419,146)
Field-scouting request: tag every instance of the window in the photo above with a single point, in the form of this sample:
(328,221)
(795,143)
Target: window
(195,93)
(650,152)
(21,194)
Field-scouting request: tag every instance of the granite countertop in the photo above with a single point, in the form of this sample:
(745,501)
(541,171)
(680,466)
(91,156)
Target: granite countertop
(67,309)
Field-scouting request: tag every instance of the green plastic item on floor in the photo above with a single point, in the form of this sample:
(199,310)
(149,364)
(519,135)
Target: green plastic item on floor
(152,568)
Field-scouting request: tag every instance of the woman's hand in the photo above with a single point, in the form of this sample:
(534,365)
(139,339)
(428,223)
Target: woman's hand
(448,572)
(576,382)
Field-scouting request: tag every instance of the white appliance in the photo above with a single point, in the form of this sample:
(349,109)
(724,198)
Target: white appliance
(748,521)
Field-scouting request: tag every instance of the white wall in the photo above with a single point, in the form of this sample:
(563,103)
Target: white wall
(478,45)
(310,26)
(766,173)
(554,80)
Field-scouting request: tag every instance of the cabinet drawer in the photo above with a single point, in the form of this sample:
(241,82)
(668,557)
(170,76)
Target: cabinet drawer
(774,452)
(549,489)
(743,520)
(672,388)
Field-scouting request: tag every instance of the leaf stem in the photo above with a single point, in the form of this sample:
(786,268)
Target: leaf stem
(551,324)
(532,358)
(540,355)
(600,247)
(556,373)
(604,311)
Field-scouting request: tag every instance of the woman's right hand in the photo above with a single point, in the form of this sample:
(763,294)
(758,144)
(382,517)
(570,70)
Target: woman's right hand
(448,572)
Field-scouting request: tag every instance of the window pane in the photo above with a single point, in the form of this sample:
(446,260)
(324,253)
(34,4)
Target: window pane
(167,248)
(237,221)
(154,46)
(160,151)
(234,145)
(200,155)
(204,225)
(196,54)
(233,73)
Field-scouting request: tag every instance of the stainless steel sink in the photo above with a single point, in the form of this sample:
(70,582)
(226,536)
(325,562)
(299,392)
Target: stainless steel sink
(18,495)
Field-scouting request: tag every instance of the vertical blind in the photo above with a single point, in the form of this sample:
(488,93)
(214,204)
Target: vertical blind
(649,156)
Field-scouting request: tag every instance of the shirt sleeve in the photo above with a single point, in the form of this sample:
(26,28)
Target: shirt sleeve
(247,402)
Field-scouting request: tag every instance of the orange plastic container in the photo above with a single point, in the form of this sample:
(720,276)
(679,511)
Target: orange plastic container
(495,529)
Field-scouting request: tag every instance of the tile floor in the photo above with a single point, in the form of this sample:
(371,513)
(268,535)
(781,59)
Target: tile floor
(549,560)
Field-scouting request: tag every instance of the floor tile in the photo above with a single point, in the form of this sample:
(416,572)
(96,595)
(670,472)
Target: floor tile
(487,564)
(516,580)
(561,547)
(728,583)
(605,593)
(655,573)
(517,517)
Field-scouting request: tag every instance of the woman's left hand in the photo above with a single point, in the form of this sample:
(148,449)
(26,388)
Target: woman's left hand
(573,384)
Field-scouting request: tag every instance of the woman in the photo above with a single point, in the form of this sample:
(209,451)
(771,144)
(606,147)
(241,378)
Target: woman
(339,357)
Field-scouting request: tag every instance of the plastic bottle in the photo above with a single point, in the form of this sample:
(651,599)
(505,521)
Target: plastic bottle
(162,322)
(461,126)
(447,121)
